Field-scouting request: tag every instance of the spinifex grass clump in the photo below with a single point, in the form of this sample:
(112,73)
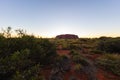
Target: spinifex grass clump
(110,62)
(83,64)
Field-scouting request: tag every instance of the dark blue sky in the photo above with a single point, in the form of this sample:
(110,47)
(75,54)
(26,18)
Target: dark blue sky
(48,18)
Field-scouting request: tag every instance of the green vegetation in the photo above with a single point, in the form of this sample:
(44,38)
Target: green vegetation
(23,57)
(108,48)
(110,62)
(68,44)
(78,58)
(110,45)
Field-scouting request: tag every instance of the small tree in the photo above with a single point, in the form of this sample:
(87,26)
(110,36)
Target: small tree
(20,32)
(7,32)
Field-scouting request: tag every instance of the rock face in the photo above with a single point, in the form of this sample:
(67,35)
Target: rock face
(67,36)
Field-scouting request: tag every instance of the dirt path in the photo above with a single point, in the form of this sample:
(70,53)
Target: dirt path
(101,74)
(89,71)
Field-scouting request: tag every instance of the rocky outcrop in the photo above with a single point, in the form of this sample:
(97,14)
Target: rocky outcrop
(67,36)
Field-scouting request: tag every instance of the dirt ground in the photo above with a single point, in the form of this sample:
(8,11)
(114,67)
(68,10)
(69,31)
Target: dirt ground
(72,75)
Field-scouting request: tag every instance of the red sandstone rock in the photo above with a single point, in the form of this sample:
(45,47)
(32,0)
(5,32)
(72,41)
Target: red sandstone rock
(67,36)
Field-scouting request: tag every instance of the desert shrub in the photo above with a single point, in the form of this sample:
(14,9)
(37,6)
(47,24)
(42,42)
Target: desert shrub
(110,62)
(111,45)
(80,59)
(62,63)
(32,73)
(77,57)
(74,46)
(87,46)
(95,51)
(65,46)
(77,67)
(68,43)
(20,54)
(73,52)
(19,66)
(42,50)
(18,61)
(83,39)
(10,45)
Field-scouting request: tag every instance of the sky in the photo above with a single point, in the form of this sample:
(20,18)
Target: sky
(48,18)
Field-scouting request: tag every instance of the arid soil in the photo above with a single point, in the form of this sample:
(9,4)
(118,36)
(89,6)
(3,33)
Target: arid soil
(100,74)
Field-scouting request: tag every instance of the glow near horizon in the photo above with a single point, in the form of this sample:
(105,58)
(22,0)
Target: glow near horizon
(48,18)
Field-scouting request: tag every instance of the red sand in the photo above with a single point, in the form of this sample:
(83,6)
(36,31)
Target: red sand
(101,74)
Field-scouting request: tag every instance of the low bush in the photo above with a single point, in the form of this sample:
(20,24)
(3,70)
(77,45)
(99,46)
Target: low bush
(111,45)
(110,62)
(95,51)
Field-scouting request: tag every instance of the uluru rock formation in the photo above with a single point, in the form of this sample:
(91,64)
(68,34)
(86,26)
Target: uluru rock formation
(67,36)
